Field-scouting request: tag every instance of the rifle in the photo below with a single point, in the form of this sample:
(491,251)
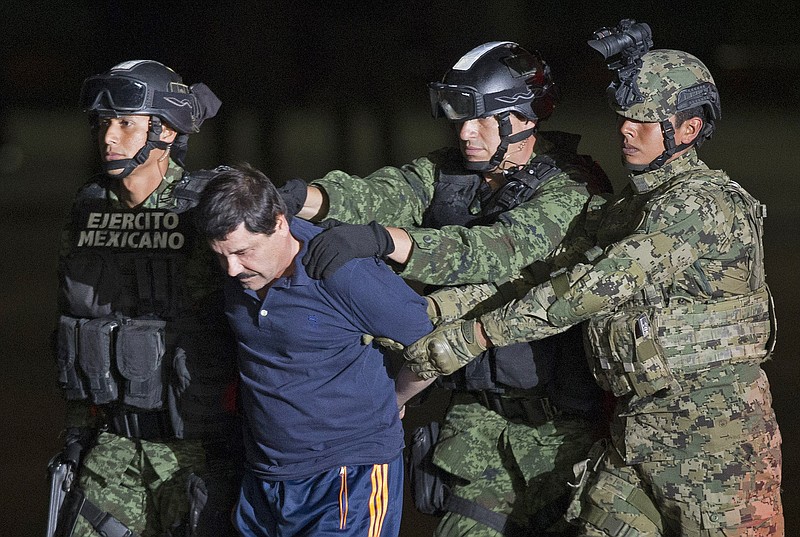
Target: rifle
(62,470)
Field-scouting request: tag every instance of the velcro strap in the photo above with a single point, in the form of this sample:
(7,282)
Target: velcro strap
(560,283)
(104,522)
(497,521)
(608,522)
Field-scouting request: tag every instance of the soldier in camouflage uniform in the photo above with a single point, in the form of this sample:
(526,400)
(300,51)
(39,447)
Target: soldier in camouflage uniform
(679,318)
(503,202)
(144,354)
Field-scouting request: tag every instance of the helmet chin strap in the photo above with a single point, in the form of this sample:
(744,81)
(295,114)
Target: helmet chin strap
(668,132)
(506,139)
(127,165)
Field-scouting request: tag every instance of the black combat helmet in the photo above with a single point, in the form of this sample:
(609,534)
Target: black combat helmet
(147,87)
(495,79)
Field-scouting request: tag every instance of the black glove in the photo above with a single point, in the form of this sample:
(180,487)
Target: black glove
(331,249)
(294,193)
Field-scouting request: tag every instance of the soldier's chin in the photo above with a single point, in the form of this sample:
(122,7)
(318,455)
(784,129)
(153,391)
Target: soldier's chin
(628,161)
(115,170)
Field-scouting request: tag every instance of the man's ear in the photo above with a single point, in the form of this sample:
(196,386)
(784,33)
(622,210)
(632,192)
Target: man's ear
(168,134)
(282,223)
(690,129)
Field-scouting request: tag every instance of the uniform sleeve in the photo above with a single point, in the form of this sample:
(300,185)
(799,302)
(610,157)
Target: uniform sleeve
(382,304)
(679,229)
(523,235)
(391,196)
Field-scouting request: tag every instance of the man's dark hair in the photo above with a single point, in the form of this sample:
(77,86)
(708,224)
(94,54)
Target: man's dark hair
(236,195)
(683,115)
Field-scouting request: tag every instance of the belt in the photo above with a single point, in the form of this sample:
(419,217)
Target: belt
(150,425)
(532,410)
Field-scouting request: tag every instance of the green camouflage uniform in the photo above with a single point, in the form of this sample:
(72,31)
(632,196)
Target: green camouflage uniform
(680,319)
(510,467)
(454,255)
(146,484)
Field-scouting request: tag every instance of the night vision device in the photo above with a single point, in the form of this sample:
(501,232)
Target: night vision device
(623,47)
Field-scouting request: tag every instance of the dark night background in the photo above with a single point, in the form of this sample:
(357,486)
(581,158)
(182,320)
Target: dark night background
(312,86)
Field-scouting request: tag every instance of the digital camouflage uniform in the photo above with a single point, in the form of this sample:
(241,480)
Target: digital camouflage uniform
(147,483)
(680,319)
(510,466)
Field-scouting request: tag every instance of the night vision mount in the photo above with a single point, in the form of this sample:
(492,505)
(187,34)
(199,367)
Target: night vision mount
(623,47)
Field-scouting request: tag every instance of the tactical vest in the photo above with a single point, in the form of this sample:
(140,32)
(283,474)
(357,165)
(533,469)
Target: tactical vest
(126,340)
(648,343)
(467,200)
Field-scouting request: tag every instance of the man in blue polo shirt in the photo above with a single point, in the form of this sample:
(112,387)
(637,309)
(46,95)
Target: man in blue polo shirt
(323,436)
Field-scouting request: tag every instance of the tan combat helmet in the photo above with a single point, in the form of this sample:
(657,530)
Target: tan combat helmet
(671,81)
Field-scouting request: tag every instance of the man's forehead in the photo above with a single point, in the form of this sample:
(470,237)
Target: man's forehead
(239,238)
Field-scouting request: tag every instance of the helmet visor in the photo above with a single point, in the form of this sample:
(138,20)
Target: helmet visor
(457,103)
(116,93)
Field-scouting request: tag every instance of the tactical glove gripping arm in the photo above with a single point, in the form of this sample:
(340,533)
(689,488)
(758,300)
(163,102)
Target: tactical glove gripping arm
(341,242)
(446,349)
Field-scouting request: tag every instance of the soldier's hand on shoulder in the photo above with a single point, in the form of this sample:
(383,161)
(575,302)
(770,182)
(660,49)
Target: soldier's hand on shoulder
(341,242)
(294,193)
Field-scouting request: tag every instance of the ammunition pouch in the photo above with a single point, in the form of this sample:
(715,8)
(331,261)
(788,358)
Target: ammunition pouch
(113,359)
(95,354)
(66,358)
(640,349)
(627,355)
(140,349)
(118,363)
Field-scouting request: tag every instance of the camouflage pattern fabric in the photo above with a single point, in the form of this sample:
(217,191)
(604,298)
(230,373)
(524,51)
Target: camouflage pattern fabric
(671,228)
(510,468)
(676,235)
(456,255)
(701,496)
(661,77)
(143,484)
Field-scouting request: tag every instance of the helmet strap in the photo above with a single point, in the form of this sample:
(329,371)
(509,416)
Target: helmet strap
(668,133)
(506,139)
(127,165)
